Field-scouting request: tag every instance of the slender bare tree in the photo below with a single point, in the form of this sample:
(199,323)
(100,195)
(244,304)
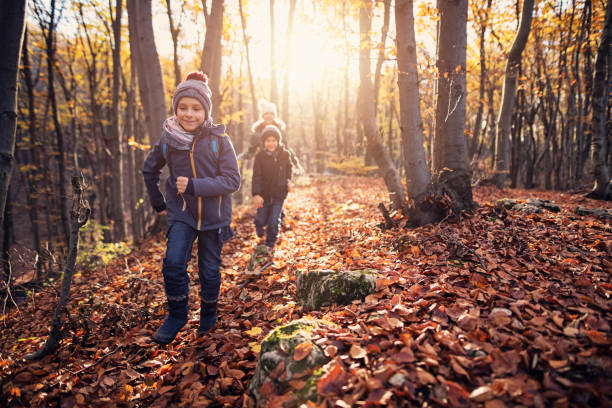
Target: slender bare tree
(504,120)
(367,115)
(415,164)
(117,189)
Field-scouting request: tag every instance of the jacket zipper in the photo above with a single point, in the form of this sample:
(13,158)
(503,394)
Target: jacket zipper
(195,175)
(219,212)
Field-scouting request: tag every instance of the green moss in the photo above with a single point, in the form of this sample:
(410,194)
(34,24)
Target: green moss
(364,271)
(309,391)
(274,338)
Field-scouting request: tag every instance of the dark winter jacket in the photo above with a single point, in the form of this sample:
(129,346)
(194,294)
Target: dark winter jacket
(271,174)
(207,203)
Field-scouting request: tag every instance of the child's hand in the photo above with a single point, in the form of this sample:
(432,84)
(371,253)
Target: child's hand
(181,184)
(289,186)
(258,201)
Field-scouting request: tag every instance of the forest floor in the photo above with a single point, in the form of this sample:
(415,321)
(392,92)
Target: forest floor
(498,308)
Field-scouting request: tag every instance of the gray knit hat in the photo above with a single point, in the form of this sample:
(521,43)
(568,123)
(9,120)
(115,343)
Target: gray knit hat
(195,86)
(271,130)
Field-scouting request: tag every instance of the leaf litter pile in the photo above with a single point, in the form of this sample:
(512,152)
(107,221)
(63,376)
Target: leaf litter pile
(498,308)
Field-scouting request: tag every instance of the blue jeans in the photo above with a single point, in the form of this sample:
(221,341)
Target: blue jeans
(269,216)
(178,253)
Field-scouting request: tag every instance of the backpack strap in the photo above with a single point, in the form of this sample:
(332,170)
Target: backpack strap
(215,147)
(166,157)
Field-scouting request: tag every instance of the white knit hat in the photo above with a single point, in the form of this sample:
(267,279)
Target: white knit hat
(266,107)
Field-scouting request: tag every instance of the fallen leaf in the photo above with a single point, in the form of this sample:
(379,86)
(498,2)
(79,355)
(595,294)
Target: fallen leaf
(357,352)
(482,394)
(302,351)
(331,350)
(254,331)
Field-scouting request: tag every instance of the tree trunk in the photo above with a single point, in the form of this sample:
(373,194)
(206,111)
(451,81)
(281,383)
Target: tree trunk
(78,216)
(150,80)
(47,26)
(368,116)
(346,132)
(119,223)
(319,139)
(33,153)
(502,139)
(601,93)
(12,24)
(415,163)
(381,52)
(481,86)
(288,48)
(450,159)
(211,54)
(175,30)
(273,64)
(245,39)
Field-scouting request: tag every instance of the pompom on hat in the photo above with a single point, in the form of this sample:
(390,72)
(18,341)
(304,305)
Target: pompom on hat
(195,85)
(266,107)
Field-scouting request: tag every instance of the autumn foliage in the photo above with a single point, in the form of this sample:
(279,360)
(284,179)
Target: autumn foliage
(498,308)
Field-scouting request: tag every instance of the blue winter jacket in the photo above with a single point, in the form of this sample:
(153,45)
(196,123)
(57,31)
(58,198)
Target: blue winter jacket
(214,175)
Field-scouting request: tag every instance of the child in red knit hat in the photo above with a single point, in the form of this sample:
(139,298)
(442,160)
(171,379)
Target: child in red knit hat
(203,175)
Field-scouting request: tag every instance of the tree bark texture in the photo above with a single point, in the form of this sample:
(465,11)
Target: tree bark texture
(415,163)
(381,52)
(48,28)
(502,137)
(286,99)
(148,67)
(368,116)
(450,159)
(245,39)
(601,94)
(211,54)
(175,30)
(273,62)
(117,190)
(78,216)
(12,25)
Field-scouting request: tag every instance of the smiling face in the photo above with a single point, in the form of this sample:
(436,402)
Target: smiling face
(190,113)
(270,143)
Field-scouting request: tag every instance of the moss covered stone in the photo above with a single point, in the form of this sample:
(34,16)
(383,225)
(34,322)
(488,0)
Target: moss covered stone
(319,288)
(279,346)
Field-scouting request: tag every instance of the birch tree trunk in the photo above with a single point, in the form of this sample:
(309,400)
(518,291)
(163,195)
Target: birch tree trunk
(148,67)
(12,24)
(368,116)
(415,163)
(601,94)
(502,137)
